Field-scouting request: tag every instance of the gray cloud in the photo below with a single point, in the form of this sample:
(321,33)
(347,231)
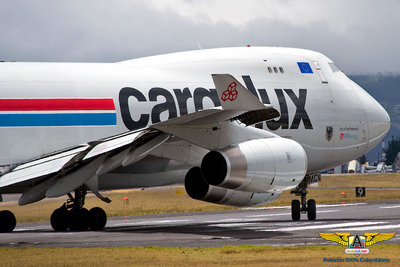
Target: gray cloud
(361,36)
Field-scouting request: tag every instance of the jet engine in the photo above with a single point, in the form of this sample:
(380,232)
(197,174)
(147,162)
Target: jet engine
(259,166)
(247,174)
(198,189)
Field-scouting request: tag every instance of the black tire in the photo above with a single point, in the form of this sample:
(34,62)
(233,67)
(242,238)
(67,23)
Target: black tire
(311,209)
(59,219)
(78,219)
(295,210)
(7,221)
(97,219)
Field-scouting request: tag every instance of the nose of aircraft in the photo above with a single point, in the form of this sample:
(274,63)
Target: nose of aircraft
(377,117)
(378,122)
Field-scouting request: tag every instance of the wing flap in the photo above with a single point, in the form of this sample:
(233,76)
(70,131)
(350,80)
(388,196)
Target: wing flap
(40,167)
(112,143)
(68,183)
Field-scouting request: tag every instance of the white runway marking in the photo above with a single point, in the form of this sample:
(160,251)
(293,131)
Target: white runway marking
(341,205)
(390,207)
(286,214)
(236,220)
(130,223)
(24,229)
(324,226)
(344,204)
(267,208)
(231,224)
(369,228)
(326,211)
(269,215)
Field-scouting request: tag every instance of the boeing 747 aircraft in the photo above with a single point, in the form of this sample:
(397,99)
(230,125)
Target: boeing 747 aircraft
(237,126)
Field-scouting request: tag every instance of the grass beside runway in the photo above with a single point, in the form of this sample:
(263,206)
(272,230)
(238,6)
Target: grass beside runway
(174,199)
(225,256)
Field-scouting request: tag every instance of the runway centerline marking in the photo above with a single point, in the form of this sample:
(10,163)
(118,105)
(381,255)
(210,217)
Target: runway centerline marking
(390,207)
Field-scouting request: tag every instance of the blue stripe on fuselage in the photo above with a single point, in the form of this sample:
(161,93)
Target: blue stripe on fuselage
(58,119)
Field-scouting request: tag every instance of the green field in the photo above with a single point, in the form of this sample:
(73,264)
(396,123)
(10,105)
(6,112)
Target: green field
(225,256)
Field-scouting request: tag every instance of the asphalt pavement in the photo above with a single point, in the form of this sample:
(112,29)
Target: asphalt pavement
(256,226)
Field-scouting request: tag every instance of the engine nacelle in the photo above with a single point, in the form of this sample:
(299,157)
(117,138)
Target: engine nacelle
(260,165)
(197,188)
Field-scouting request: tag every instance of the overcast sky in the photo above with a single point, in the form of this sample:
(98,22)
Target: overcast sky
(361,36)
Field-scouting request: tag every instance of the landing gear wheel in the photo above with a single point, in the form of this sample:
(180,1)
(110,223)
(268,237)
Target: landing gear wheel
(295,210)
(309,206)
(97,219)
(7,221)
(311,209)
(59,219)
(73,216)
(78,219)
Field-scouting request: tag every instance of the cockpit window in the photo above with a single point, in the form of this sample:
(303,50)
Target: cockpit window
(334,67)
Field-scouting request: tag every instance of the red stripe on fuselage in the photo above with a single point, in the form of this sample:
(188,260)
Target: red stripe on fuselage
(55,104)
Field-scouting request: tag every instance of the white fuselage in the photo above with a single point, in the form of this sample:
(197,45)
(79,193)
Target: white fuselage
(334,119)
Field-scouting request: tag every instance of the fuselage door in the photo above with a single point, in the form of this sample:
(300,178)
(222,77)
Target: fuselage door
(320,72)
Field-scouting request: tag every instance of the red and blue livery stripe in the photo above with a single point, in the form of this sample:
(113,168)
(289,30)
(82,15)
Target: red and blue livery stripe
(57,112)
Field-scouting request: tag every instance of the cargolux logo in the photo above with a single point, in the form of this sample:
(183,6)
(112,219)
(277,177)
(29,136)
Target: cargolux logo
(230,93)
(176,102)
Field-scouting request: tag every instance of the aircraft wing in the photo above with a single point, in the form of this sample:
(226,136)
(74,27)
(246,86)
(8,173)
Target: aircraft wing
(65,161)
(62,172)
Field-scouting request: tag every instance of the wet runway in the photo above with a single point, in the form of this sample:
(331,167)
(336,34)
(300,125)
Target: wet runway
(259,226)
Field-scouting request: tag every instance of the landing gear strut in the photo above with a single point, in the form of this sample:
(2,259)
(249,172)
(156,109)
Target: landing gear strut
(304,206)
(73,216)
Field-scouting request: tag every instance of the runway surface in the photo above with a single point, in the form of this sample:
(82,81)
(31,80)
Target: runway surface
(259,226)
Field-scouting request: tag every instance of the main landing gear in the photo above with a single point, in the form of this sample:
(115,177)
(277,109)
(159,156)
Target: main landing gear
(73,216)
(7,221)
(304,206)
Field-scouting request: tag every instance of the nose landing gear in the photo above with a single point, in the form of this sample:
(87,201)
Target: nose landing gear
(304,206)
(73,216)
